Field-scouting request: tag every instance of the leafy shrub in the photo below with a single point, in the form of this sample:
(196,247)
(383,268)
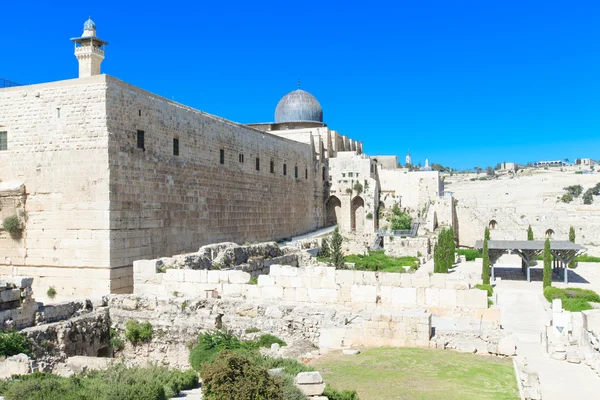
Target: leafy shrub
(378,261)
(211,344)
(400,220)
(115,341)
(574,190)
(588,197)
(138,333)
(333,394)
(573,299)
(234,376)
(51,293)
(335,249)
(487,287)
(288,389)
(252,330)
(116,382)
(13,343)
(324,251)
(253,280)
(12,225)
(267,340)
(587,258)
(567,198)
(470,254)
(358,187)
(369,215)
(290,366)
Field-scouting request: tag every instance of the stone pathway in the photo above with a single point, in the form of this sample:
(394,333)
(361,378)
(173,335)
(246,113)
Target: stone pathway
(523,315)
(193,394)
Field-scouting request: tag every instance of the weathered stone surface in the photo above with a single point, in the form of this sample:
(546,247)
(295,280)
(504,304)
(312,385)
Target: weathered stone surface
(309,378)
(507,346)
(350,352)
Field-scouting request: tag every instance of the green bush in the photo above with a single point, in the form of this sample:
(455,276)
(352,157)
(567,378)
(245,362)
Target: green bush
(267,340)
(401,221)
(137,332)
(12,225)
(115,341)
(252,330)
(574,190)
(567,198)
(333,394)
(51,293)
(587,258)
(212,343)
(13,343)
(335,249)
(530,233)
(470,254)
(116,382)
(324,250)
(290,366)
(588,197)
(234,376)
(378,261)
(573,299)
(487,287)
(547,264)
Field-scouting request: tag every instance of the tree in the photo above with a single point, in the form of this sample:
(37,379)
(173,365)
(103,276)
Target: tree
(451,252)
(337,257)
(490,172)
(529,233)
(443,252)
(324,250)
(572,240)
(588,197)
(547,264)
(485,266)
(486,233)
(478,170)
(575,190)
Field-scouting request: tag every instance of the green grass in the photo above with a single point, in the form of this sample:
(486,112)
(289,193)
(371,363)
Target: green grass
(470,254)
(587,258)
(405,373)
(573,299)
(378,261)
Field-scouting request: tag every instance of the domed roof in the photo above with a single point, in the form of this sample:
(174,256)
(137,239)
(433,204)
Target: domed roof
(298,106)
(89,25)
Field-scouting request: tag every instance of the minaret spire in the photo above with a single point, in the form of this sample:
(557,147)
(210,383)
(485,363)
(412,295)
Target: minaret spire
(89,50)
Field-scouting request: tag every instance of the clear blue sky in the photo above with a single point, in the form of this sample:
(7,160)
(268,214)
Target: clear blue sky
(463,83)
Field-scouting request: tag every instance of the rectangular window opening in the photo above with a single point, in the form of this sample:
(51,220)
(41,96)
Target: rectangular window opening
(296,172)
(140,140)
(140,113)
(241,158)
(305,173)
(175,146)
(257,164)
(284,169)
(3,141)
(222,156)
(272,166)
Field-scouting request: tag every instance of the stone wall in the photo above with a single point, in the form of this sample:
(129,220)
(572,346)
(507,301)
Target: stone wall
(166,204)
(57,145)
(401,247)
(176,323)
(314,285)
(412,189)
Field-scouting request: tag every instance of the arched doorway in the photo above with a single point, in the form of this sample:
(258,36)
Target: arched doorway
(493,224)
(549,233)
(357,214)
(333,209)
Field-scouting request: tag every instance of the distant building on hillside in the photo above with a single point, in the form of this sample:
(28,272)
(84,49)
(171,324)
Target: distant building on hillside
(557,163)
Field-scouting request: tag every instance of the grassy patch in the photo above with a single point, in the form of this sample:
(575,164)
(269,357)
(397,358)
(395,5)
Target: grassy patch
(378,261)
(587,258)
(573,299)
(470,254)
(404,373)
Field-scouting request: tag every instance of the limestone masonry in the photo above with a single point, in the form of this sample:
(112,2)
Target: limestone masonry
(101,173)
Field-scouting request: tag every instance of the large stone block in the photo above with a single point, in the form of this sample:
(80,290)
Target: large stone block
(404,296)
(344,277)
(288,270)
(195,275)
(390,279)
(233,290)
(406,280)
(10,295)
(21,282)
(472,298)
(432,297)
(438,281)
(447,298)
(213,276)
(363,294)
(327,296)
(239,277)
(174,275)
(266,280)
(272,292)
(309,378)
(421,280)
(301,294)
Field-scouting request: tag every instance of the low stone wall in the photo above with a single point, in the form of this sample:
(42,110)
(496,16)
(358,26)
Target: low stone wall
(260,266)
(402,247)
(176,323)
(315,285)
(17,306)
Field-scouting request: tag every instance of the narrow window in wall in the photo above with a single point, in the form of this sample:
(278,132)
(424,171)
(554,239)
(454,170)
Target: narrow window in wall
(296,172)
(241,158)
(257,164)
(324,173)
(350,174)
(175,146)
(272,166)
(58,112)
(3,141)
(343,175)
(285,169)
(140,140)
(222,156)
(305,173)
(140,113)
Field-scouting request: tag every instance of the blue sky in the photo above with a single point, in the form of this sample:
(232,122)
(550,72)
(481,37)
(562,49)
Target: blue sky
(463,83)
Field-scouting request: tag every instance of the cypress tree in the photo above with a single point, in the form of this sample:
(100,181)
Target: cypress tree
(337,258)
(529,233)
(486,233)
(324,251)
(436,258)
(485,266)
(572,240)
(547,264)
(451,249)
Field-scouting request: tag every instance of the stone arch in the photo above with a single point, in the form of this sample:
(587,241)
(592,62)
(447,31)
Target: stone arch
(492,224)
(333,208)
(357,214)
(549,233)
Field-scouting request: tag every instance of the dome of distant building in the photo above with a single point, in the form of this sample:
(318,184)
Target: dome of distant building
(89,25)
(298,106)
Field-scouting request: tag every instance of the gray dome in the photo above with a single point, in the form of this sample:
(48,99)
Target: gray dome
(298,106)
(89,25)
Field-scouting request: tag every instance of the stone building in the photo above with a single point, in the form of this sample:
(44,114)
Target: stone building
(101,173)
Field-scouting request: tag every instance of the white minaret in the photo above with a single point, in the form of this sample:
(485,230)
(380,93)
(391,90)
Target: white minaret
(408,159)
(89,50)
